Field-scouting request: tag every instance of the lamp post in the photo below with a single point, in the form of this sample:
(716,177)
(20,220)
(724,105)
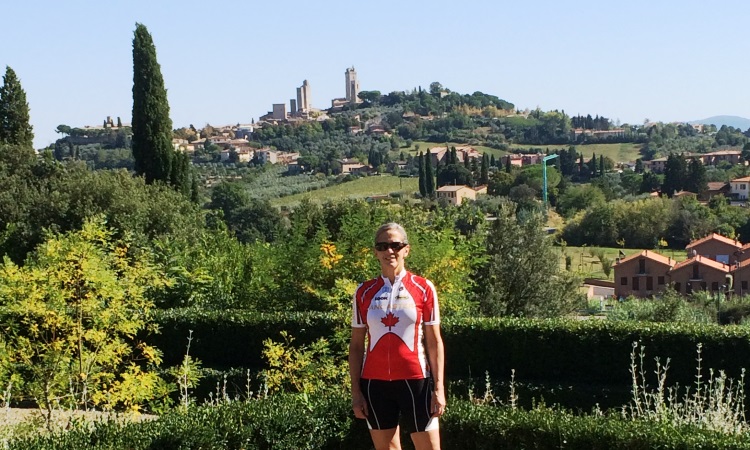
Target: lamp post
(544,176)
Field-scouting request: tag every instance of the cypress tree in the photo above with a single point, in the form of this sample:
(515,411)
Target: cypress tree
(493,163)
(601,165)
(507,164)
(422,186)
(152,127)
(484,173)
(429,178)
(15,128)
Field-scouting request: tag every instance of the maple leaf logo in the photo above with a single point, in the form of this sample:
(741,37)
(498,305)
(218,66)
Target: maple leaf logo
(389,320)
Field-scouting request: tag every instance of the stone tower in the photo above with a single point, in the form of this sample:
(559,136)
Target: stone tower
(352,85)
(303,97)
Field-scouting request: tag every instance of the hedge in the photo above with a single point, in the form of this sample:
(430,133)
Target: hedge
(588,351)
(296,422)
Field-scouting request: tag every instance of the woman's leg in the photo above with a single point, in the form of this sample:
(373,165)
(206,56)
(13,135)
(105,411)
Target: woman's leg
(426,440)
(386,439)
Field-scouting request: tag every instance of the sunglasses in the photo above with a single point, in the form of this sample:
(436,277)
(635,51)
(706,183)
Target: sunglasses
(395,246)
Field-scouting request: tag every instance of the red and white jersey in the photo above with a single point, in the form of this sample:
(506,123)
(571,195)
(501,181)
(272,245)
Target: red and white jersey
(393,315)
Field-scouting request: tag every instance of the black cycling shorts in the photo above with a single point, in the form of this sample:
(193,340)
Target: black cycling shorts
(408,400)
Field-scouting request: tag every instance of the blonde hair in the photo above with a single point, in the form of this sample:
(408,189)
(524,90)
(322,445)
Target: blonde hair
(392,226)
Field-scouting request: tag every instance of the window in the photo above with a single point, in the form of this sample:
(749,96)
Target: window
(641,266)
(677,287)
(623,281)
(636,284)
(715,286)
(649,283)
(696,275)
(660,281)
(703,285)
(724,259)
(743,187)
(744,285)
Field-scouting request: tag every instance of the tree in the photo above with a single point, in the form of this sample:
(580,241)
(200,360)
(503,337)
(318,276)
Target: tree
(697,180)
(484,173)
(152,127)
(15,128)
(521,276)
(429,178)
(422,172)
(454,174)
(674,174)
(71,319)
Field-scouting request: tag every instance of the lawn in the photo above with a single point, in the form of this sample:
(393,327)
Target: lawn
(616,152)
(358,188)
(589,266)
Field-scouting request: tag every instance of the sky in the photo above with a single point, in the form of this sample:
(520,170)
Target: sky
(227,61)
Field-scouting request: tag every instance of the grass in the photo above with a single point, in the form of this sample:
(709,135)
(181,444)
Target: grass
(359,188)
(589,266)
(616,152)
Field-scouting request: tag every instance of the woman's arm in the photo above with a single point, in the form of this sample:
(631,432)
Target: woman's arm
(356,358)
(436,356)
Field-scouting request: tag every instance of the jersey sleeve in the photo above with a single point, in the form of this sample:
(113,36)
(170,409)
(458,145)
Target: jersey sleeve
(431,310)
(359,320)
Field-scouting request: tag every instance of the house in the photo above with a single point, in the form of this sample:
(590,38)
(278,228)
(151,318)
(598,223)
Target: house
(642,274)
(598,289)
(683,194)
(456,194)
(741,277)
(716,247)
(700,273)
(715,188)
(717,157)
(656,165)
(266,155)
(438,154)
(350,166)
(739,188)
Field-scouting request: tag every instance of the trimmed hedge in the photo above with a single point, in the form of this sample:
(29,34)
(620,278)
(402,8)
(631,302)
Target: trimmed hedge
(232,338)
(563,351)
(294,422)
(589,351)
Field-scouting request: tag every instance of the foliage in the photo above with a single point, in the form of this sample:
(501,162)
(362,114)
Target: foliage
(325,422)
(309,369)
(71,315)
(670,307)
(522,274)
(15,128)
(717,403)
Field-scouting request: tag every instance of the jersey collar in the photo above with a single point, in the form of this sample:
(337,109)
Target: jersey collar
(399,276)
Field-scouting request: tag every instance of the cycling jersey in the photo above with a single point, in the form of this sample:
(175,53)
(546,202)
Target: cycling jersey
(393,315)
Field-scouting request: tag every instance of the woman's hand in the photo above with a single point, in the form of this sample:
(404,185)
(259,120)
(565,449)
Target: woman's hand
(437,405)
(359,405)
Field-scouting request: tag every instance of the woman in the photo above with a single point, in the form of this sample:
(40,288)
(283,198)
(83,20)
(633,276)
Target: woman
(399,380)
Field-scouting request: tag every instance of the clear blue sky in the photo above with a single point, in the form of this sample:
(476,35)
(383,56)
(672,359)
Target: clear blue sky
(227,61)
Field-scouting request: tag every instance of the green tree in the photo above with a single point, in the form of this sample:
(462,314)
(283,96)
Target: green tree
(71,316)
(484,173)
(675,172)
(15,128)
(521,275)
(429,178)
(579,197)
(152,127)
(454,174)
(422,171)
(697,180)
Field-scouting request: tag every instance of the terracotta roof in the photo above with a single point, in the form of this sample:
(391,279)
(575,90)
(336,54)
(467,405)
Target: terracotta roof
(741,180)
(450,188)
(649,255)
(715,236)
(716,185)
(703,261)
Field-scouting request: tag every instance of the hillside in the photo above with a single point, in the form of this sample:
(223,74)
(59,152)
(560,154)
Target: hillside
(730,121)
